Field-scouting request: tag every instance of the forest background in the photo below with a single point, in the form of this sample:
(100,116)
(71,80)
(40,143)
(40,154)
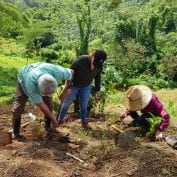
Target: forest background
(140,37)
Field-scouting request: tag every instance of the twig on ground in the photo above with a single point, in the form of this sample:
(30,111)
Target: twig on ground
(74,157)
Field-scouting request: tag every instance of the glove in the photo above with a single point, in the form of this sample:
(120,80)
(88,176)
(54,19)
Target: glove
(158,135)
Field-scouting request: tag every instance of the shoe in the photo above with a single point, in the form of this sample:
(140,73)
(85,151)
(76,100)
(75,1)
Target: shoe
(86,126)
(17,136)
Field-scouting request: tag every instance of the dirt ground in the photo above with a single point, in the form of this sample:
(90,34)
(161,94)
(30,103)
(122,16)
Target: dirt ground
(99,152)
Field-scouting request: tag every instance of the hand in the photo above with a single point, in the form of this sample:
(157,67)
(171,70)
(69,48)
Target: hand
(64,94)
(123,115)
(97,95)
(158,135)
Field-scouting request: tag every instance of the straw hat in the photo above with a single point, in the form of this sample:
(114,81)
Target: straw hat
(137,97)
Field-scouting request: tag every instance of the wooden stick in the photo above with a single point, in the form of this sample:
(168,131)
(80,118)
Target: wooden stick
(74,157)
(117,128)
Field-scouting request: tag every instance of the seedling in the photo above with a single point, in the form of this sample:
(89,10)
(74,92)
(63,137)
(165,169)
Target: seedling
(153,121)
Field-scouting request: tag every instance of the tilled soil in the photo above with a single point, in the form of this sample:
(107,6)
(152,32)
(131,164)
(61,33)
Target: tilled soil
(98,152)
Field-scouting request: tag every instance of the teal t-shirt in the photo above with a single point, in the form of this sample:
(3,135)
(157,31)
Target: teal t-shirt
(29,75)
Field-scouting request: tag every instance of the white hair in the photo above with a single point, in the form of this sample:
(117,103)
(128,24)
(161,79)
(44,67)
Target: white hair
(47,84)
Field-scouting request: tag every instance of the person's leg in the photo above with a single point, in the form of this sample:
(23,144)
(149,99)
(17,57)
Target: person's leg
(67,102)
(17,110)
(84,94)
(48,101)
(76,105)
(143,121)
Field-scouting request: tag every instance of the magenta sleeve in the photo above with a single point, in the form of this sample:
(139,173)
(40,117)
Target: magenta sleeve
(166,120)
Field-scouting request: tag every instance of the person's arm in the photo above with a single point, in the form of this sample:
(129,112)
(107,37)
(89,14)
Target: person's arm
(97,80)
(66,89)
(166,120)
(161,112)
(127,112)
(68,83)
(164,124)
(43,107)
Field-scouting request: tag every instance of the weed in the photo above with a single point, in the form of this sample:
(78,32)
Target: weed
(104,148)
(36,128)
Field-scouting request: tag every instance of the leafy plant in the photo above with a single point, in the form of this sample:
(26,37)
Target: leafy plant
(153,121)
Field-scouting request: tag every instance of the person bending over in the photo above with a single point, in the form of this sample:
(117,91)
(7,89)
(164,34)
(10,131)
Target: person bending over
(38,82)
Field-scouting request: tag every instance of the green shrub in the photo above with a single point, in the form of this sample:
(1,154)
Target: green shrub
(151,81)
(168,68)
(55,46)
(49,54)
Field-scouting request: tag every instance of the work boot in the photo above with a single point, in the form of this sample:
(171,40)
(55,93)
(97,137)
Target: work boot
(47,125)
(16,122)
(86,126)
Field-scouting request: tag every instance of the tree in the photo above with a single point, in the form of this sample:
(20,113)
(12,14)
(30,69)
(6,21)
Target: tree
(10,19)
(84,25)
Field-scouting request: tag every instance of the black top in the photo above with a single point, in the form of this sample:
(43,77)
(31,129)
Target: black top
(83,75)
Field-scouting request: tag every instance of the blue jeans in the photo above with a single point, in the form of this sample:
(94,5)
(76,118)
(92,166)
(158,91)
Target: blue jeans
(83,93)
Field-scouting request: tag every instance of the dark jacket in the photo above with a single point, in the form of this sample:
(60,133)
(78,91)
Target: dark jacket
(83,75)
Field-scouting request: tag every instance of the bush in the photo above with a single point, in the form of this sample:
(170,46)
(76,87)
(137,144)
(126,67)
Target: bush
(49,54)
(55,47)
(130,59)
(168,68)
(151,81)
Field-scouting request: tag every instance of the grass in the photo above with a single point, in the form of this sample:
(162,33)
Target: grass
(9,67)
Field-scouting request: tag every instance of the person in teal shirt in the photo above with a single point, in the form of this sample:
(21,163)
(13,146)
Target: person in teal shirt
(38,82)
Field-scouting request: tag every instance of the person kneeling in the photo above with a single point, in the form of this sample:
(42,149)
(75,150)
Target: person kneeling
(141,98)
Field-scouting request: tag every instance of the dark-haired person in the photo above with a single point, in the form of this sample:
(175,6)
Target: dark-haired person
(86,68)
(38,82)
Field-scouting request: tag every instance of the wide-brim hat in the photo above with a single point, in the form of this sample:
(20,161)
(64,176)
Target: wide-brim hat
(137,97)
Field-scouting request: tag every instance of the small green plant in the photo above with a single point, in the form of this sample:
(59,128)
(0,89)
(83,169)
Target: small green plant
(153,121)
(104,148)
(83,133)
(36,129)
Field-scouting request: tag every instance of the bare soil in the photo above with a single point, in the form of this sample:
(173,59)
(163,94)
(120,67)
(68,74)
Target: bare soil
(100,149)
